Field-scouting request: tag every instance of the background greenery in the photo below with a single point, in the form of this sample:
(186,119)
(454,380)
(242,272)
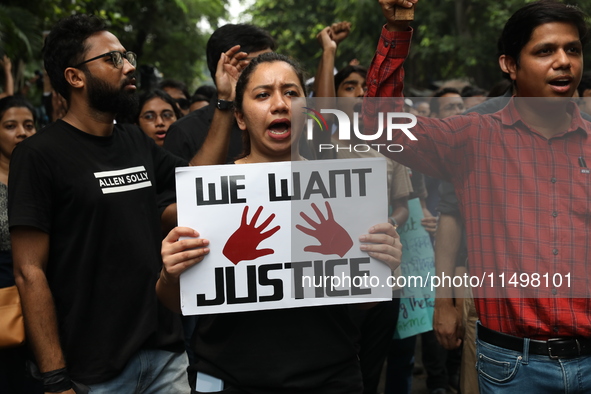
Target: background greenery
(453,38)
(163,33)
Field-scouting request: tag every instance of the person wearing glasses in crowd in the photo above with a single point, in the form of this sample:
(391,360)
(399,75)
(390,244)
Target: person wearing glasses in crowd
(179,92)
(86,227)
(157,112)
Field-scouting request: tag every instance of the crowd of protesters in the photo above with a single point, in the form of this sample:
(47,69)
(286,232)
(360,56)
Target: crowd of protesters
(97,269)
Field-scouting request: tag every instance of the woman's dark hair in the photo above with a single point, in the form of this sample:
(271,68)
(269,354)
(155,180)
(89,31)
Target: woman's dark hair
(345,72)
(65,46)
(147,96)
(268,57)
(519,28)
(16,101)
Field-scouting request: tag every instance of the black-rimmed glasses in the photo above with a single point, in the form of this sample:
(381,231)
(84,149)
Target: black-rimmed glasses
(152,116)
(116,57)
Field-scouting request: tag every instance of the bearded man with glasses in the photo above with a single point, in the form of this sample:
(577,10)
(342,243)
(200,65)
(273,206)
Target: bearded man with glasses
(86,228)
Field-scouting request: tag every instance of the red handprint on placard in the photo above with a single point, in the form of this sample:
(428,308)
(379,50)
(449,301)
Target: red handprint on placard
(242,245)
(333,238)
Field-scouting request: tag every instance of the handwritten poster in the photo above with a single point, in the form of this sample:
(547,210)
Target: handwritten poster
(418,260)
(283,235)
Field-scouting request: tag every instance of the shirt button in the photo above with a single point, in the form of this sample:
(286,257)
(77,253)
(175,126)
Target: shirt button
(386,44)
(554,291)
(549,142)
(553,180)
(554,214)
(555,251)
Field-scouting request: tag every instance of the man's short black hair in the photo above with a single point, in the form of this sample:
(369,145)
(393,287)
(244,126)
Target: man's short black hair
(434,103)
(65,46)
(249,37)
(207,91)
(519,28)
(346,71)
(174,84)
(471,91)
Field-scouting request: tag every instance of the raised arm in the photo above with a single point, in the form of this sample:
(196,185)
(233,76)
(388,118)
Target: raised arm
(30,250)
(329,38)
(385,76)
(215,147)
(8,80)
(391,9)
(433,145)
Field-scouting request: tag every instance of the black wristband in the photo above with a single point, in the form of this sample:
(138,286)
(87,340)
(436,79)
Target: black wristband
(56,381)
(223,105)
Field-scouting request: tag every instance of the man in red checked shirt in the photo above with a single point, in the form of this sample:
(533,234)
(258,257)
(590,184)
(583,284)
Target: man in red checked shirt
(523,186)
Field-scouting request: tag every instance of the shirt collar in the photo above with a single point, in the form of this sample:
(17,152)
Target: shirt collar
(510,116)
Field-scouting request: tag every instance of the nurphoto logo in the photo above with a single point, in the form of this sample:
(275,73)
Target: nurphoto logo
(343,130)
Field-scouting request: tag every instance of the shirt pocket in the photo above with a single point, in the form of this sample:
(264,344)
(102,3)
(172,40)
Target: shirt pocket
(579,196)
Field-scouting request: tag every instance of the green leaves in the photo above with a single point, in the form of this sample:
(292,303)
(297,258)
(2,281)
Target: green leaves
(452,39)
(161,32)
(19,33)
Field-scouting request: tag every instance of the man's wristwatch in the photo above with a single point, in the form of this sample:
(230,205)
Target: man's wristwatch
(224,104)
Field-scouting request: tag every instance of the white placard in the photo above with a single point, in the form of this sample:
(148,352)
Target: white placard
(282,260)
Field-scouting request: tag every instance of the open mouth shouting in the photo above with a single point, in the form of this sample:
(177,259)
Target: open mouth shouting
(561,84)
(279,129)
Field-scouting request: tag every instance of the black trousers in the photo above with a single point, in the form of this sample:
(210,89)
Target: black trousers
(376,326)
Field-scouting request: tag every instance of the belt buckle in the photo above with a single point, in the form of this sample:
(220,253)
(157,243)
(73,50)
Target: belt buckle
(556,357)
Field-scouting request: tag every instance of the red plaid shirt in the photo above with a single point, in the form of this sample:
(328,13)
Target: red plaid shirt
(525,200)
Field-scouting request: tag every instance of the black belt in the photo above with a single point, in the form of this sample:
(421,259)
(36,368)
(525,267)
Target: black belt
(554,347)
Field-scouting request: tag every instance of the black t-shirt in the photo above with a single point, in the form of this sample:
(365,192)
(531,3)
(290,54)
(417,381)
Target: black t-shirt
(296,350)
(186,136)
(97,199)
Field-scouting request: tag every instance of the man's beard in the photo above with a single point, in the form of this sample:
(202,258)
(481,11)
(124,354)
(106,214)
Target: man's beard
(104,98)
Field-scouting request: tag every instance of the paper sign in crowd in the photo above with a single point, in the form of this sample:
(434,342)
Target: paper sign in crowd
(283,235)
(418,260)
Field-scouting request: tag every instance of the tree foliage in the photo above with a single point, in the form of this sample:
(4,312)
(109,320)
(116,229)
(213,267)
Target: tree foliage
(295,24)
(458,38)
(452,38)
(19,33)
(163,33)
